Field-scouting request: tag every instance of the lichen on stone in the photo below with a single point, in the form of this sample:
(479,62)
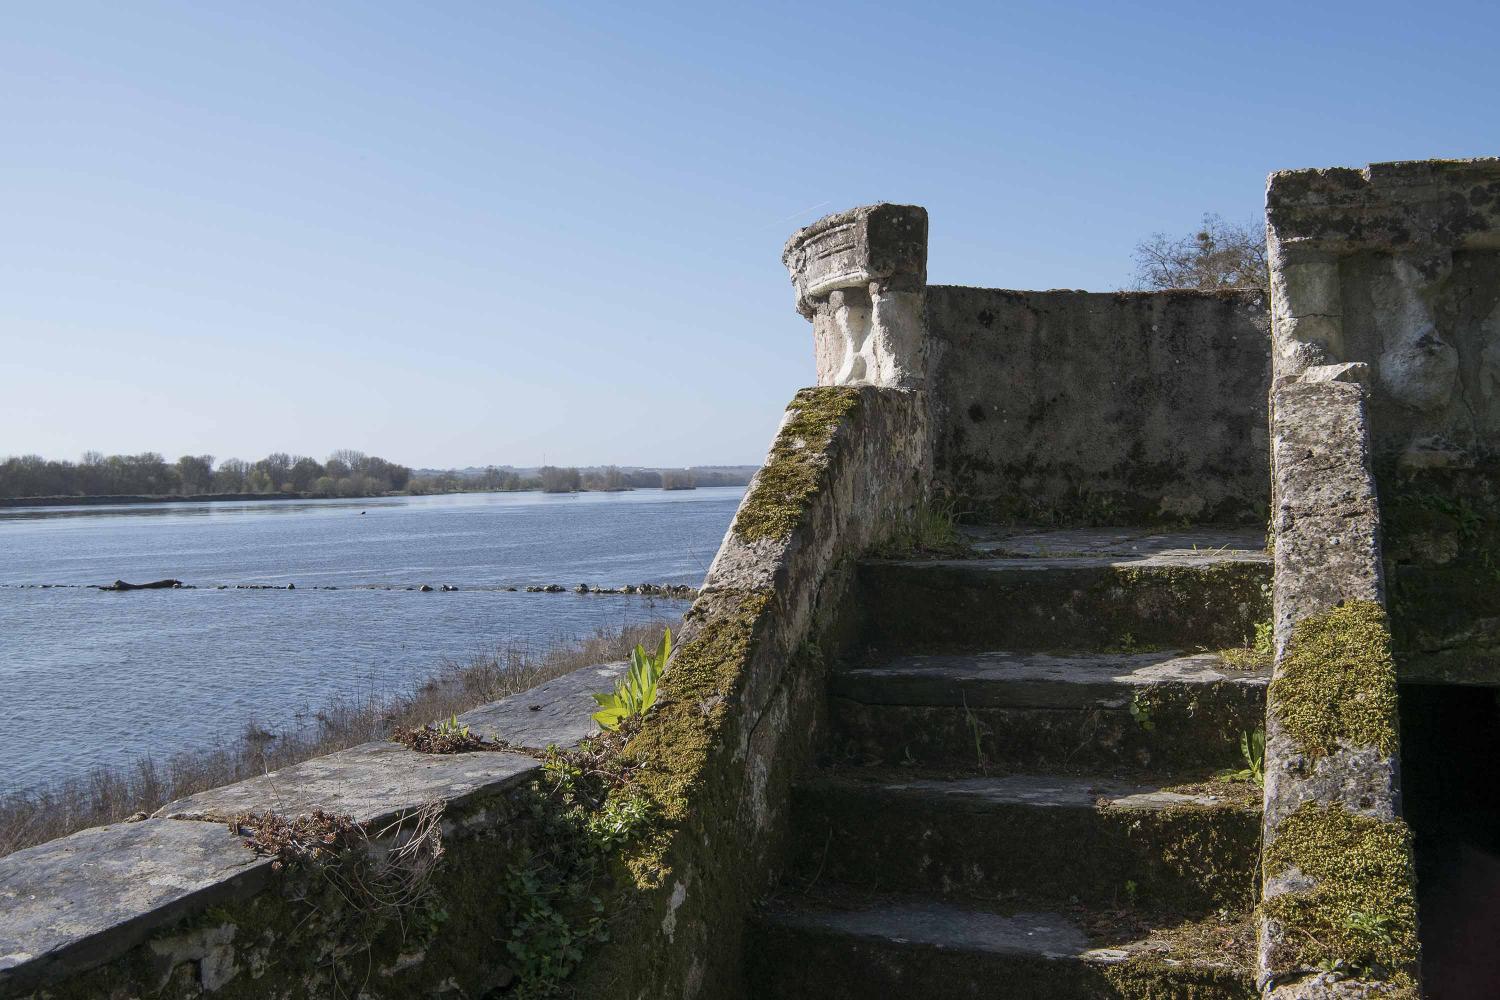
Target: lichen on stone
(798,457)
(1359,908)
(1335,686)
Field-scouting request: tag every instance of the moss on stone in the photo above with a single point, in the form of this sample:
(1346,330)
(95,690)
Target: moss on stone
(1336,685)
(675,742)
(1361,877)
(790,477)
(1245,658)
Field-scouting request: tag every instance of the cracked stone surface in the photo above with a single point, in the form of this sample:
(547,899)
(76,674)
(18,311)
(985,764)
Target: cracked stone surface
(1003,679)
(1044,791)
(912,922)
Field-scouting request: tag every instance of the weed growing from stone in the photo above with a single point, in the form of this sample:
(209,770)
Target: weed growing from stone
(373,879)
(587,809)
(1140,711)
(931,529)
(978,730)
(319,838)
(1253,752)
(448,736)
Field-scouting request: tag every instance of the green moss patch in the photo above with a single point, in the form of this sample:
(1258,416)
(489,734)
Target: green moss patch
(1361,912)
(791,474)
(1336,686)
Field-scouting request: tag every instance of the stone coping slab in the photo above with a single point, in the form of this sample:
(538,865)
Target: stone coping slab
(77,902)
(374,783)
(557,713)
(72,903)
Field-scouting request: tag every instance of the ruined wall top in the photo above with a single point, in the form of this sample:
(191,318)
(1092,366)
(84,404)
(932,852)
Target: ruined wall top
(1409,205)
(1395,269)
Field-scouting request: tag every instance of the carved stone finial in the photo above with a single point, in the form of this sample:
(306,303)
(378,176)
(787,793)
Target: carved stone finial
(861,278)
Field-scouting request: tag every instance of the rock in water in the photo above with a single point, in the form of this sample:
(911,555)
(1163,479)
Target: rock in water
(155,585)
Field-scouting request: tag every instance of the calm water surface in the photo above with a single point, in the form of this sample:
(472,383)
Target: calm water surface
(90,678)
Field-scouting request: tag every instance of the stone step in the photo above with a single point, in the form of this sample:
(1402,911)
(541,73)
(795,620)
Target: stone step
(1165,710)
(901,948)
(1053,839)
(1147,591)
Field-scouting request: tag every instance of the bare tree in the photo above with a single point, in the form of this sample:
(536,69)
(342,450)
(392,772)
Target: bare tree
(555,480)
(1218,255)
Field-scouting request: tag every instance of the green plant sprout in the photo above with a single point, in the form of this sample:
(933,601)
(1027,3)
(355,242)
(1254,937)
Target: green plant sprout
(636,692)
(1253,752)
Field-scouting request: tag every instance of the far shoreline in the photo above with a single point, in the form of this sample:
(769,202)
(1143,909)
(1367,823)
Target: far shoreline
(147,499)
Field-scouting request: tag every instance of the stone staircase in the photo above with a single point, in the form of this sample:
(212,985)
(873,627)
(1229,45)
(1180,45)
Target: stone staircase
(1017,794)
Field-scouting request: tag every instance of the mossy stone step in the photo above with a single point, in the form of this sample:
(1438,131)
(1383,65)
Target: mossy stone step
(1164,710)
(911,949)
(1207,599)
(1048,838)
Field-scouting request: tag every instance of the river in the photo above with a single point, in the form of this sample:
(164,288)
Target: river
(91,678)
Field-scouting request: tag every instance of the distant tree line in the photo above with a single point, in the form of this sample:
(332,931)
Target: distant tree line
(570,479)
(345,473)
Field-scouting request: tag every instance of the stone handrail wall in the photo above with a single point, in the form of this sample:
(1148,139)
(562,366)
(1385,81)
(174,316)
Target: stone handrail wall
(743,703)
(1338,901)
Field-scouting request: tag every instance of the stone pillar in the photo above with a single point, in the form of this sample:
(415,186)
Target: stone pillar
(861,278)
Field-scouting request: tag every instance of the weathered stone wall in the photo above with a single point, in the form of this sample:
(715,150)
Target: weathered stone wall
(1111,408)
(1397,266)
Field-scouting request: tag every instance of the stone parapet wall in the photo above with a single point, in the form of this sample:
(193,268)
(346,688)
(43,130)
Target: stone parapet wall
(1105,408)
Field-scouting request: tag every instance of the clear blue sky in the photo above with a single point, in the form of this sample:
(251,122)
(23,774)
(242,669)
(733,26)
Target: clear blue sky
(468,233)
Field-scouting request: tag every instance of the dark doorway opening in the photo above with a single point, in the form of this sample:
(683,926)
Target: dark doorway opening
(1450,784)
